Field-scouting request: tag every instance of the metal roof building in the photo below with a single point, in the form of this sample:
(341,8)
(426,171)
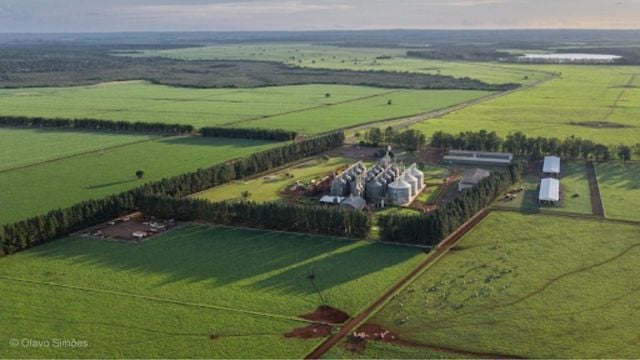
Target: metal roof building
(354,202)
(472,177)
(551,165)
(549,190)
(477,158)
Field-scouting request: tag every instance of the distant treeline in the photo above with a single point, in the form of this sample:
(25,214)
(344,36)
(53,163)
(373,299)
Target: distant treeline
(333,221)
(429,230)
(519,144)
(56,65)
(249,133)
(59,223)
(94,124)
(409,139)
(460,54)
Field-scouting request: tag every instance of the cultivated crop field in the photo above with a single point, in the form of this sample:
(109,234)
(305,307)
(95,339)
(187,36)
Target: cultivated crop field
(188,293)
(63,182)
(270,187)
(22,147)
(518,285)
(601,103)
(620,189)
(305,108)
(333,57)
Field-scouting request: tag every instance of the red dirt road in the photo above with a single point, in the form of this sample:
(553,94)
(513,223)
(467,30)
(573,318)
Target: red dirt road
(354,322)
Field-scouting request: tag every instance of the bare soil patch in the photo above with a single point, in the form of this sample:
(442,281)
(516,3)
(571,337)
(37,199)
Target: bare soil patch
(133,228)
(327,314)
(310,332)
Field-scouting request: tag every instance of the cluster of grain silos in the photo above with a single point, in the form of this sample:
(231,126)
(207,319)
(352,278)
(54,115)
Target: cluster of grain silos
(383,183)
(350,182)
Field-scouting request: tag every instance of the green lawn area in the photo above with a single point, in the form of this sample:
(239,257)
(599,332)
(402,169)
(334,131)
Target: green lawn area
(37,189)
(167,296)
(601,103)
(574,187)
(21,147)
(269,188)
(333,57)
(530,286)
(304,108)
(620,189)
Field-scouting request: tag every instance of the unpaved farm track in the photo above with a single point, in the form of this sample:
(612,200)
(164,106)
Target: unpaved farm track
(354,322)
(596,200)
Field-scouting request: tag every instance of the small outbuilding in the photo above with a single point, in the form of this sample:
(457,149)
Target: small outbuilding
(354,203)
(551,166)
(472,177)
(549,191)
(332,200)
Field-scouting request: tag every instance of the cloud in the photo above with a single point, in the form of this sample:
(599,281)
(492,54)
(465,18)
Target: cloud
(224,9)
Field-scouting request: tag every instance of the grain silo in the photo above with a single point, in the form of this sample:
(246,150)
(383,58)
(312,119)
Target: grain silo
(376,190)
(399,192)
(418,175)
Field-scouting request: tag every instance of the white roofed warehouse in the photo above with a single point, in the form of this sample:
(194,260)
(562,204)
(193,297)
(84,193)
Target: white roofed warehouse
(551,166)
(549,191)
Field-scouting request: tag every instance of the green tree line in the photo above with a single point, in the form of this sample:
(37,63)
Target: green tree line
(249,133)
(409,139)
(95,125)
(429,230)
(333,221)
(521,145)
(59,223)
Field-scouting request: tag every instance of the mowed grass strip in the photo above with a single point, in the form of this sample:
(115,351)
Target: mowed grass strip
(620,189)
(592,102)
(21,147)
(529,286)
(37,189)
(270,187)
(247,270)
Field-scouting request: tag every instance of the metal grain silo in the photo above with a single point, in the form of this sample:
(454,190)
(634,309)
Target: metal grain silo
(418,175)
(375,191)
(399,192)
(411,180)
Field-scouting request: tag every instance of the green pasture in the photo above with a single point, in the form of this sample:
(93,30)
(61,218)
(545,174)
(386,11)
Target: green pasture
(404,103)
(365,59)
(270,187)
(305,108)
(168,296)
(574,188)
(620,189)
(51,185)
(601,103)
(22,147)
(528,286)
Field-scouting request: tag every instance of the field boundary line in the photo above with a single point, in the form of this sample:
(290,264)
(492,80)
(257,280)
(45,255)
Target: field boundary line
(264,117)
(585,217)
(406,121)
(159,299)
(71,156)
(442,249)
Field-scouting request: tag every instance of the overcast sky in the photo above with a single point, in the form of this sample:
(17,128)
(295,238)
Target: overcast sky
(223,15)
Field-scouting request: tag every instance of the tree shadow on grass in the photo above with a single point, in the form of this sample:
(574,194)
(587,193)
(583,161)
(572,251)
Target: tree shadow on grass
(113,183)
(212,141)
(221,256)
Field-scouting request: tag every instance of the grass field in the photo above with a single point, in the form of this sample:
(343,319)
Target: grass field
(620,189)
(168,295)
(21,147)
(527,286)
(40,188)
(305,108)
(601,103)
(332,57)
(574,187)
(270,187)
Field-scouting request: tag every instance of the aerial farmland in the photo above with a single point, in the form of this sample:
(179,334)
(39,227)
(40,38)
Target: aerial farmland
(351,194)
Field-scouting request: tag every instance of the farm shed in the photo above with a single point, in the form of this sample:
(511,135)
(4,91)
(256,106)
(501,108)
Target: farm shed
(331,200)
(354,203)
(549,191)
(472,177)
(551,165)
(477,158)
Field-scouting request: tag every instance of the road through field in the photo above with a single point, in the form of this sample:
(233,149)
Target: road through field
(441,249)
